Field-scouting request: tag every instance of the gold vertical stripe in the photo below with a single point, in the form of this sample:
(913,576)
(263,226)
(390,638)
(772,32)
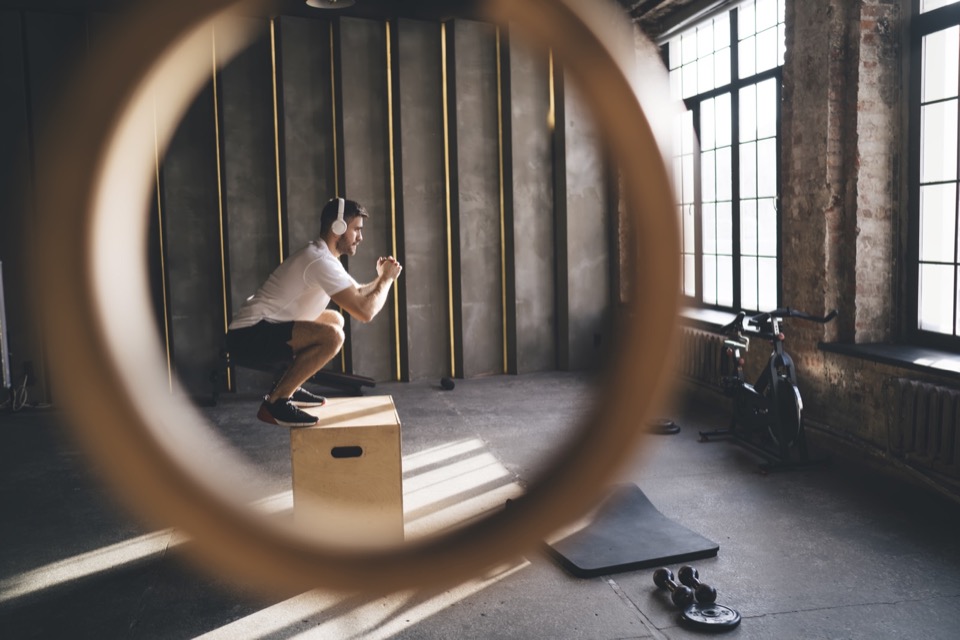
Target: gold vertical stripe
(336,156)
(552,111)
(163,266)
(276,134)
(503,212)
(333,102)
(446,171)
(223,253)
(393,195)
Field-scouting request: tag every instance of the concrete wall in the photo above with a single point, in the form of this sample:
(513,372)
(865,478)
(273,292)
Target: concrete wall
(533,210)
(255,172)
(478,161)
(308,131)
(366,175)
(588,231)
(420,101)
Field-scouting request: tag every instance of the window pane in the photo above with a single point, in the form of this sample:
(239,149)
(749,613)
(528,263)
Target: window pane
(767,168)
(724,174)
(708,175)
(939,142)
(709,221)
(678,179)
(710,279)
(673,54)
(724,120)
(748,57)
(689,276)
(721,31)
(705,72)
(768,50)
(748,170)
(767,109)
(748,113)
(724,228)
(748,283)
(746,23)
(940,56)
(767,278)
(688,47)
(688,186)
(766,13)
(937,288)
(767,228)
(930,5)
(689,230)
(689,80)
(722,67)
(781,43)
(748,227)
(687,134)
(705,39)
(708,136)
(676,86)
(725,281)
(938,214)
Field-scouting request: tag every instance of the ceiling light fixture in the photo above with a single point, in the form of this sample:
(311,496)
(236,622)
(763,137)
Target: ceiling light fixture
(329,4)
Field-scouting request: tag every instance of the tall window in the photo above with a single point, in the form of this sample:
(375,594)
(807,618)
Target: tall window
(727,71)
(935,79)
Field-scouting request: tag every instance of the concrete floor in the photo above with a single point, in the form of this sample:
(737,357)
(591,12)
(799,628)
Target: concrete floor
(828,552)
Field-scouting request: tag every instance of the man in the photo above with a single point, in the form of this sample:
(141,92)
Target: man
(287,320)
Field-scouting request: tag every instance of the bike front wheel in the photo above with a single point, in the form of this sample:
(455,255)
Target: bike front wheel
(784,424)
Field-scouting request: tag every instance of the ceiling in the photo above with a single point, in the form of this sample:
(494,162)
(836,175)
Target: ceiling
(653,16)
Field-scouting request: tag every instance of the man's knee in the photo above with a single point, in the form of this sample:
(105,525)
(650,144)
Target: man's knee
(330,316)
(339,337)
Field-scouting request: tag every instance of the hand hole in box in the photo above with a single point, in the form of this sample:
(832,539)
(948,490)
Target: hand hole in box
(346,452)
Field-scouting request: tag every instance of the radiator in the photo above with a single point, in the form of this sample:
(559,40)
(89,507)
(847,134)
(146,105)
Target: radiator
(924,423)
(700,356)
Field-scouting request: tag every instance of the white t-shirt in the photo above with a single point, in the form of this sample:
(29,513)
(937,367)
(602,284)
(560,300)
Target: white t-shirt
(299,289)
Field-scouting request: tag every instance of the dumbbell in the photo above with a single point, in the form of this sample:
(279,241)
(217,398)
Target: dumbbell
(691,577)
(681,595)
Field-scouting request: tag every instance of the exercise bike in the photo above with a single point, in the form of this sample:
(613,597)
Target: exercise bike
(768,414)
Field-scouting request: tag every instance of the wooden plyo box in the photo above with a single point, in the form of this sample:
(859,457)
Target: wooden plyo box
(347,480)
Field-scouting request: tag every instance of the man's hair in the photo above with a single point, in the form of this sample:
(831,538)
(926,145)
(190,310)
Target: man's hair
(351,209)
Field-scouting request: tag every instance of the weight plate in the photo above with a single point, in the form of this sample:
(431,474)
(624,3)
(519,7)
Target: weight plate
(663,427)
(710,617)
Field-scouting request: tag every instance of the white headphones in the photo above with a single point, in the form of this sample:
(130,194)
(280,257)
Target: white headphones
(339,225)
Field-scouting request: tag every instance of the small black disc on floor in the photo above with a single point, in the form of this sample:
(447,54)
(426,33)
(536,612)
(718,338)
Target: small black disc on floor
(710,617)
(664,427)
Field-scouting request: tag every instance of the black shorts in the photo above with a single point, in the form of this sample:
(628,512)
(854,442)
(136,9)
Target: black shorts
(263,344)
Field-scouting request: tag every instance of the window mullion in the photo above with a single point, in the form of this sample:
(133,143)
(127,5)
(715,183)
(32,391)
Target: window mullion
(956,218)
(735,84)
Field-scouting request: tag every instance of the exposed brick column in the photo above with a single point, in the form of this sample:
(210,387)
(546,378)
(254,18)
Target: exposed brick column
(816,172)
(841,122)
(840,196)
(878,165)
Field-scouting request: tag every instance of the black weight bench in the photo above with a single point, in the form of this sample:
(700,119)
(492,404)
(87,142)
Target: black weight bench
(346,384)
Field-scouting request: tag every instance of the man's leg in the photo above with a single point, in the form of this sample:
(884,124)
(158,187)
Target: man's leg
(314,344)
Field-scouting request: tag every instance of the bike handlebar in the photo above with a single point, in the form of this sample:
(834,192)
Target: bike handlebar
(790,313)
(761,318)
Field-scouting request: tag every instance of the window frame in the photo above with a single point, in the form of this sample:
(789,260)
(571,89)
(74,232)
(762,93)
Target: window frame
(693,105)
(921,25)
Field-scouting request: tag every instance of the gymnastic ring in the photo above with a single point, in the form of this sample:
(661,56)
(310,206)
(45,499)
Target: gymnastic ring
(109,371)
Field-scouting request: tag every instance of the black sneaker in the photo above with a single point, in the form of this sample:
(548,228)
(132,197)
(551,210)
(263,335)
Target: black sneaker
(283,413)
(303,398)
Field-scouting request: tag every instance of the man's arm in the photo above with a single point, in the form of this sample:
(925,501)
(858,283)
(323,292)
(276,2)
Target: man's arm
(366,301)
